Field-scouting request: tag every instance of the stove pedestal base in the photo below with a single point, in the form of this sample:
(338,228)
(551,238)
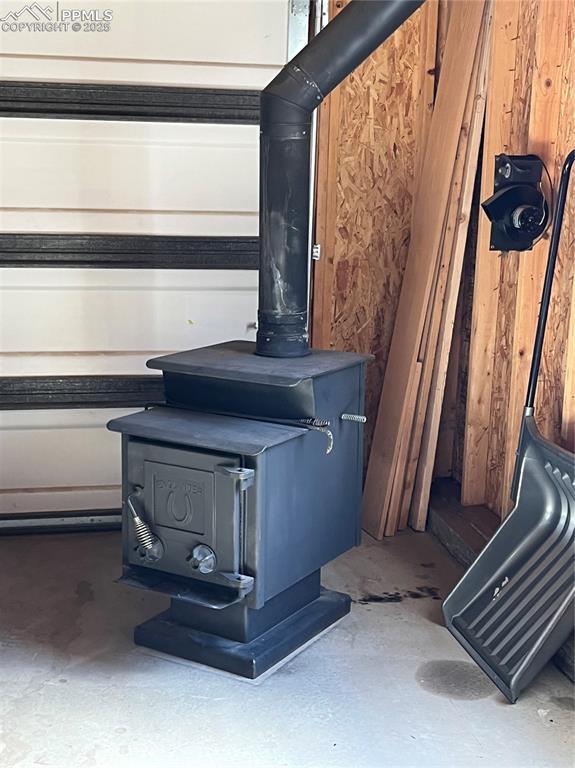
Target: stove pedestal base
(247,659)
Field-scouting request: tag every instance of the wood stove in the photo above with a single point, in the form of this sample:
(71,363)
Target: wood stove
(248,481)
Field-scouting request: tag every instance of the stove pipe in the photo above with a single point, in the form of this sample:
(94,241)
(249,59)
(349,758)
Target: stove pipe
(285,124)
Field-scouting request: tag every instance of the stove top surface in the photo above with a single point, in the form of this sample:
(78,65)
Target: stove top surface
(236,360)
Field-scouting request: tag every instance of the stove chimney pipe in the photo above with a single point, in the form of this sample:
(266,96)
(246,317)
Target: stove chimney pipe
(285,123)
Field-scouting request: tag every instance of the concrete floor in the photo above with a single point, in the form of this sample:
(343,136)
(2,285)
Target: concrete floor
(388,686)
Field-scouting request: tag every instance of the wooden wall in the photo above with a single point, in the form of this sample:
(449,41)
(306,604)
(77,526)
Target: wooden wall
(372,136)
(530,108)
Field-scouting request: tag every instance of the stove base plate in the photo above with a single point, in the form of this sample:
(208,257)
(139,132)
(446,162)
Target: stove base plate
(252,659)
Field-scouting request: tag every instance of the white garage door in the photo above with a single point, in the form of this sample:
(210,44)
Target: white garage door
(135,146)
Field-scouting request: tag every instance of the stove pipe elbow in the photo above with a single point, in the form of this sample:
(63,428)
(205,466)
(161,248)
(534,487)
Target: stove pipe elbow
(286,108)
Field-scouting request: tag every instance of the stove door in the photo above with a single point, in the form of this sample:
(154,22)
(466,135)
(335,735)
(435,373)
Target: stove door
(192,501)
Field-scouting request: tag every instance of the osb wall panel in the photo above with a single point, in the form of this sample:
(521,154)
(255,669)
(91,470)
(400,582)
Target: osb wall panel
(374,147)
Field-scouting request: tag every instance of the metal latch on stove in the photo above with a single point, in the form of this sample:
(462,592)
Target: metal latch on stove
(242,476)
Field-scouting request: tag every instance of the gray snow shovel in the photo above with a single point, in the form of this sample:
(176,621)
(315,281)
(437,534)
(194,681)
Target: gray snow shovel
(515,606)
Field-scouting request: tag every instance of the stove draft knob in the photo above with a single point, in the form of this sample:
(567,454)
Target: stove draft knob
(203,559)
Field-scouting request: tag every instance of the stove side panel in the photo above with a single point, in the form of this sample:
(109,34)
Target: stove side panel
(311,500)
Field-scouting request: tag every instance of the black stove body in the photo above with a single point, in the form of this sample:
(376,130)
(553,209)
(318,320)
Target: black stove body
(248,481)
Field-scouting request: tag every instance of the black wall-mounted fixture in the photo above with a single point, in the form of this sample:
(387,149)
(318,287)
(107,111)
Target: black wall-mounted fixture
(518,211)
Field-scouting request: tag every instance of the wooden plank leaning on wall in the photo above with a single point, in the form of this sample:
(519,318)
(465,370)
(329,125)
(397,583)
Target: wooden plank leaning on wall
(407,470)
(530,109)
(439,361)
(395,416)
(371,132)
(416,473)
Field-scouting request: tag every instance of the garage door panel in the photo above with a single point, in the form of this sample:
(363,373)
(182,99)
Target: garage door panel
(58,449)
(78,363)
(217,32)
(129,167)
(155,42)
(182,223)
(30,500)
(61,310)
(168,73)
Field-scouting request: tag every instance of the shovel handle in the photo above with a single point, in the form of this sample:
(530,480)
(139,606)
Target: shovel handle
(548,282)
